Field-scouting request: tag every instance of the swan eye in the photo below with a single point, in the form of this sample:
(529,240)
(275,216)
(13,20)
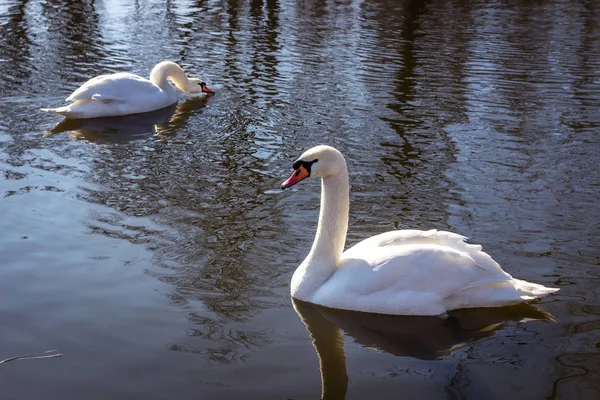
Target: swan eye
(301,163)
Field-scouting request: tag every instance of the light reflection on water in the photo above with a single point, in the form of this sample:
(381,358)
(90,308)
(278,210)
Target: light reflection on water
(155,251)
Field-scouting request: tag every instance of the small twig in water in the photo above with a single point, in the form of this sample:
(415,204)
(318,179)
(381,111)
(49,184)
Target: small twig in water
(33,356)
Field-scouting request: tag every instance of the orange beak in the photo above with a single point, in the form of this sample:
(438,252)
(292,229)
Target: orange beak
(206,89)
(298,175)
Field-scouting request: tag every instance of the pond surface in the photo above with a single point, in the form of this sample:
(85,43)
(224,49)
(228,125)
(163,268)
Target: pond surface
(155,252)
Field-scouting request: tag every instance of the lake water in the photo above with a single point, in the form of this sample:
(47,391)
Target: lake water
(155,252)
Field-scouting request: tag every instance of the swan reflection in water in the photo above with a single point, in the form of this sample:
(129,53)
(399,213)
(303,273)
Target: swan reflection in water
(425,338)
(126,128)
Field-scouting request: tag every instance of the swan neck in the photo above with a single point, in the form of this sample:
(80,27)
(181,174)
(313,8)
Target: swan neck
(333,219)
(168,69)
(327,248)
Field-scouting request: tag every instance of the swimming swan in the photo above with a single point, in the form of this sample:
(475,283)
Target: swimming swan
(405,272)
(124,93)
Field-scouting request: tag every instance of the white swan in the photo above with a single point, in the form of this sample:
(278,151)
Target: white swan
(124,93)
(406,272)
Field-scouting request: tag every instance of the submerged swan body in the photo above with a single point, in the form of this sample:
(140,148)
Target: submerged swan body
(405,272)
(124,93)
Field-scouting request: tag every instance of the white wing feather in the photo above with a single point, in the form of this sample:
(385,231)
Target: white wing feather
(114,87)
(433,236)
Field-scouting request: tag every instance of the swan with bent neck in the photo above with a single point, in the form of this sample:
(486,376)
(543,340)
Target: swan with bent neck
(403,272)
(124,93)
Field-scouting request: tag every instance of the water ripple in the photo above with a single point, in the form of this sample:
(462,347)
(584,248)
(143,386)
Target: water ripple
(169,228)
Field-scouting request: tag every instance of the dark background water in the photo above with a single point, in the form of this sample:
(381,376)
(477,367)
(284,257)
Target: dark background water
(155,252)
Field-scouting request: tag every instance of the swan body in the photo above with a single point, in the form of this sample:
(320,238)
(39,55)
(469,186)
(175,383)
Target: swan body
(405,272)
(124,93)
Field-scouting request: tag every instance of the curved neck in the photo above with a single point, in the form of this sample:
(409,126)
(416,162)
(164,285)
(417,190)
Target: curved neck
(168,69)
(333,220)
(329,242)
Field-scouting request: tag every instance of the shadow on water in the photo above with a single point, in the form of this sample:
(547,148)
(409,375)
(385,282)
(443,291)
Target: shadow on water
(123,129)
(425,338)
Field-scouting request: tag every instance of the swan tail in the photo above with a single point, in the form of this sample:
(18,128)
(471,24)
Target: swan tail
(65,111)
(530,291)
(499,293)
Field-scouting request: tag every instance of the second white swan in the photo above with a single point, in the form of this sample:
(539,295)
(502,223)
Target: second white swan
(405,272)
(124,93)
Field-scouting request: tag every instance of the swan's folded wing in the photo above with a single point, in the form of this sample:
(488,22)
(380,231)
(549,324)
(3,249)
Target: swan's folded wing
(433,236)
(114,87)
(412,279)
(413,236)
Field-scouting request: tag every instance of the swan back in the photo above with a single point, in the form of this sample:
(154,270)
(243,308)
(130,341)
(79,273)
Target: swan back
(433,236)
(115,87)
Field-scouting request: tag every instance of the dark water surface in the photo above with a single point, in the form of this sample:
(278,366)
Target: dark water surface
(155,251)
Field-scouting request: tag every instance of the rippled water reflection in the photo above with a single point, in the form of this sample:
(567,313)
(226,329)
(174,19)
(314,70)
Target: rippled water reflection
(155,251)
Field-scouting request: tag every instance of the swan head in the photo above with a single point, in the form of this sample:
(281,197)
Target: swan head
(196,85)
(320,161)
